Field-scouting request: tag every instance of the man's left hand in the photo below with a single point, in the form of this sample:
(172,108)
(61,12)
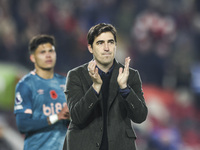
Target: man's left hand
(123,74)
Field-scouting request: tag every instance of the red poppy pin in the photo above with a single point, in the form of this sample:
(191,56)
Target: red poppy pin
(53,94)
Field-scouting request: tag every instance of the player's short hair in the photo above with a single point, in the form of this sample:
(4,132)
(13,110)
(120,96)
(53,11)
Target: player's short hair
(96,30)
(40,39)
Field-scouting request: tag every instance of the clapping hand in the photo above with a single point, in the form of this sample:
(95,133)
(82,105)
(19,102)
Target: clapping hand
(93,72)
(123,74)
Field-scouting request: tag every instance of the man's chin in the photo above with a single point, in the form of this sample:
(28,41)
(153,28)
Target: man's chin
(108,62)
(47,69)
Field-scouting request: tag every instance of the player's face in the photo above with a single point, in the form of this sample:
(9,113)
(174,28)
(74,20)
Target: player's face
(44,57)
(104,49)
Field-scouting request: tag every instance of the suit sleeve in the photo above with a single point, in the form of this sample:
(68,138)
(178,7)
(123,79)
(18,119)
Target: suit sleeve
(135,102)
(81,104)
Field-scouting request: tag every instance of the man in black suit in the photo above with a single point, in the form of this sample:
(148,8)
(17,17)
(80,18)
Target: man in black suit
(103,97)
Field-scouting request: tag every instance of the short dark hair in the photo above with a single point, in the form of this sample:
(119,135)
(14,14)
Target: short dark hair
(96,30)
(40,39)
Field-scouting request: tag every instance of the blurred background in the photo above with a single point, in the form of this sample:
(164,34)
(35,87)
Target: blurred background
(162,37)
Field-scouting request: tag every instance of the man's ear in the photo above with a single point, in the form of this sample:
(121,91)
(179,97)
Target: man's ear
(90,49)
(32,58)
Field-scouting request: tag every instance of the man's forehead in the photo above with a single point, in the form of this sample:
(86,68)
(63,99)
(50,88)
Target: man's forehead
(105,36)
(46,45)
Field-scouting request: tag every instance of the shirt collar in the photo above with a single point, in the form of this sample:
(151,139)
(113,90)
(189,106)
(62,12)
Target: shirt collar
(108,73)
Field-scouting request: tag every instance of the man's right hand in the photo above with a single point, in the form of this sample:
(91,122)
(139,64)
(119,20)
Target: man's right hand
(93,72)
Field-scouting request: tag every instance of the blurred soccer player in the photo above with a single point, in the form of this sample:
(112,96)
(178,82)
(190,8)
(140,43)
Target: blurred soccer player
(40,104)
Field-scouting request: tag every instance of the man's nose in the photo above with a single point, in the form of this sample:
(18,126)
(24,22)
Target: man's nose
(106,46)
(48,54)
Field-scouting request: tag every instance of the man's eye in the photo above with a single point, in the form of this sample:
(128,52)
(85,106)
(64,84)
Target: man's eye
(99,43)
(111,42)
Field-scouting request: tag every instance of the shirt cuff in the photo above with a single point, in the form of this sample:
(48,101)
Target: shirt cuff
(124,92)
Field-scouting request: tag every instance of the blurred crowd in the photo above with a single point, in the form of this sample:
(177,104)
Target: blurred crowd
(161,37)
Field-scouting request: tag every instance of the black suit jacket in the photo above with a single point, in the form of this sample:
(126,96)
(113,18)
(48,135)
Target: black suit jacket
(85,129)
